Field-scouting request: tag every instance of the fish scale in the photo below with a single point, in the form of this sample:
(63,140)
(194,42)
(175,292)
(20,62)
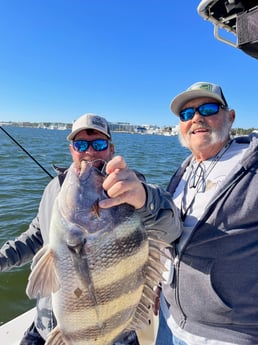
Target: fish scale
(99,266)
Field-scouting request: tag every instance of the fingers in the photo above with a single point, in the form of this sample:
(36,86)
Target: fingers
(156,302)
(156,305)
(117,162)
(122,185)
(106,203)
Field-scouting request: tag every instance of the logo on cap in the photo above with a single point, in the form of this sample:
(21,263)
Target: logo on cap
(208,87)
(98,122)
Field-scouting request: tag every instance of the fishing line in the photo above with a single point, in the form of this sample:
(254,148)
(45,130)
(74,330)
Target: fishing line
(23,149)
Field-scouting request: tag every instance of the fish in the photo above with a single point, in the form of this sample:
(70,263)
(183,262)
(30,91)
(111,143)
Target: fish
(100,266)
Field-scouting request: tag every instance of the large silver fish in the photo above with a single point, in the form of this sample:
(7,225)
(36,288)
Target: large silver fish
(100,266)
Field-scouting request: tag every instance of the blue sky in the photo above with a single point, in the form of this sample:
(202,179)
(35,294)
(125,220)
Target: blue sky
(123,59)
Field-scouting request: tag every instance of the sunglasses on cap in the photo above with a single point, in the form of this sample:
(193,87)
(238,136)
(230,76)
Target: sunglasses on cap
(97,145)
(206,109)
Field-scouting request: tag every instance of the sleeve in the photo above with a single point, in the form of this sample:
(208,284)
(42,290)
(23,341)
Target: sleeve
(160,213)
(20,251)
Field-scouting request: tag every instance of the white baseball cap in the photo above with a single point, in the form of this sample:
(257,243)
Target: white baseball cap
(90,121)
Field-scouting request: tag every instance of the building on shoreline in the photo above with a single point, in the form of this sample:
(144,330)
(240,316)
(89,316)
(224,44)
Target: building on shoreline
(114,127)
(124,127)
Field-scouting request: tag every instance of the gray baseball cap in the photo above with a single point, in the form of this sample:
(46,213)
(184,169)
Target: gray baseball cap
(199,89)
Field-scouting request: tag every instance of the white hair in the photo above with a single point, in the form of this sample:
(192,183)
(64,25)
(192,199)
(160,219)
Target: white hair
(217,135)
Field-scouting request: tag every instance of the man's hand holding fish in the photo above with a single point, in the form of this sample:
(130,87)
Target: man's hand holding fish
(122,185)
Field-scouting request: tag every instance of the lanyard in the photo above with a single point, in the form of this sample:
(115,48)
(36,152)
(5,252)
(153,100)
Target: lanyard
(197,179)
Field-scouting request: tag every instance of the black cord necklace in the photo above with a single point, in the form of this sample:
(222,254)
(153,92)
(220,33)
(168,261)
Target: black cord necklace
(197,179)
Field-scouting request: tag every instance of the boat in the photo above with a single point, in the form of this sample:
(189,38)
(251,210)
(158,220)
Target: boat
(238,17)
(12,332)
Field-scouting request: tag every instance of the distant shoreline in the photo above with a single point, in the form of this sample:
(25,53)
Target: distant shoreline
(114,127)
(121,127)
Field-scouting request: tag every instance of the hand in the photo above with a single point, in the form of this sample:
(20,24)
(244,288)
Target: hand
(122,185)
(156,303)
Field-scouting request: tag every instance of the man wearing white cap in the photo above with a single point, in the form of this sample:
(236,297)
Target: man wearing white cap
(211,293)
(90,140)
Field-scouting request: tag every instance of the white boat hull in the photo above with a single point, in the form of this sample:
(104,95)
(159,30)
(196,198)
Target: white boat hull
(12,332)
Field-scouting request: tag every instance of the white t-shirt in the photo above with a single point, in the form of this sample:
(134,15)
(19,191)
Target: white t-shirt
(209,175)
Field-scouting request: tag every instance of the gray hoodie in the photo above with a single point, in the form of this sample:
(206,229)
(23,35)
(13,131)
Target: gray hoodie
(214,292)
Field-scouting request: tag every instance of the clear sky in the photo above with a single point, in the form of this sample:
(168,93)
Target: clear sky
(123,59)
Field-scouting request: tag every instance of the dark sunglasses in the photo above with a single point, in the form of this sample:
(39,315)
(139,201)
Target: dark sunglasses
(97,145)
(205,109)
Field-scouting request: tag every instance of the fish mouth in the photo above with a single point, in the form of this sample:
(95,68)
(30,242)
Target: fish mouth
(98,164)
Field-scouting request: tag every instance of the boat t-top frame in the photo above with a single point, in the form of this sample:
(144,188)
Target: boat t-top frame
(239,17)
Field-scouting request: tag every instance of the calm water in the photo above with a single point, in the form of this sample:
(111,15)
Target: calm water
(22,182)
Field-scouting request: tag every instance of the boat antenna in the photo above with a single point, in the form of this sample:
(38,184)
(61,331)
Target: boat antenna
(23,149)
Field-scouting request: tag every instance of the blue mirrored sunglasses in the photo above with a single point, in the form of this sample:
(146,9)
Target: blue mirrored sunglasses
(206,109)
(97,145)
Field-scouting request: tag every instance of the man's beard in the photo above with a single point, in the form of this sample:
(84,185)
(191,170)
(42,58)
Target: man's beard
(217,136)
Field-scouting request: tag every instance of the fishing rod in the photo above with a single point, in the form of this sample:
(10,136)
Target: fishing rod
(23,149)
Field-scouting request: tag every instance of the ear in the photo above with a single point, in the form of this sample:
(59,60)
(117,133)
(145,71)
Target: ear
(112,149)
(71,148)
(232,115)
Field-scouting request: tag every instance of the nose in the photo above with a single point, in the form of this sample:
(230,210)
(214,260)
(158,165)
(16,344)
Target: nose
(90,149)
(197,117)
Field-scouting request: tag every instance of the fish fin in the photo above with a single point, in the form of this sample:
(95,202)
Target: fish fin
(38,256)
(153,272)
(43,279)
(56,338)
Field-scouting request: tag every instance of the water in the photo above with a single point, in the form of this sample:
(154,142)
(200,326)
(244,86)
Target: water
(22,182)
